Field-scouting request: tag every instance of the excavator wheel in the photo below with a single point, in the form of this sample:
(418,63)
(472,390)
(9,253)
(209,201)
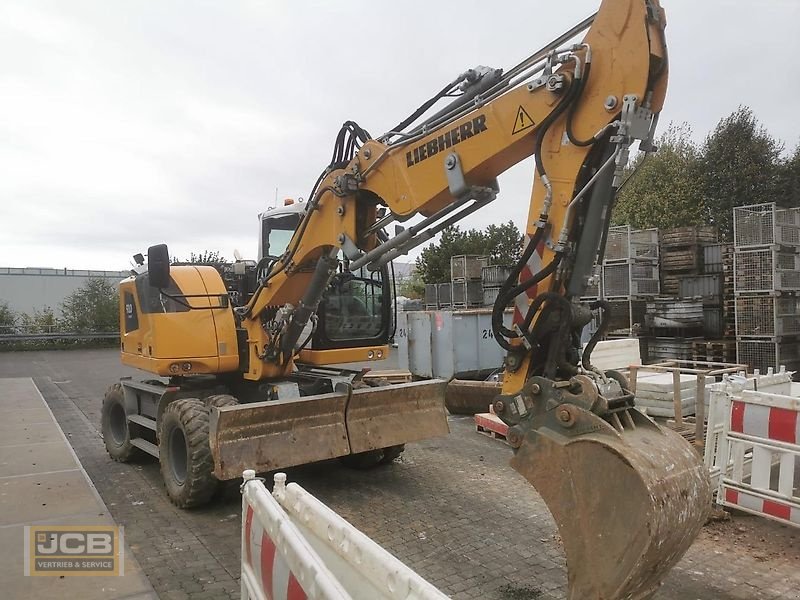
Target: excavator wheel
(220,400)
(117,431)
(185,456)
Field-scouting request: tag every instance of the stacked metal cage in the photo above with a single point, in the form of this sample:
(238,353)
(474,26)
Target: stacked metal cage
(493,277)
(466,280)
(767,285)
(627,277)
(630,263)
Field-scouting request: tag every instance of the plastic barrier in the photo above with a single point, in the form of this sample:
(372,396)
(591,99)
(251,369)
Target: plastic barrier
(716,454)
(763,427)
(294,547)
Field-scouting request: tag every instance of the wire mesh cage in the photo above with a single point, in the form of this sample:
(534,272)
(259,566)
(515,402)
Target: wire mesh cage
(467,266)
(766,270)
(445,294)
(494,275)
(774,316)
(467,294)
(630,278)
(627,317)
(763,354)
(624,243)
(765,224)
(431,295)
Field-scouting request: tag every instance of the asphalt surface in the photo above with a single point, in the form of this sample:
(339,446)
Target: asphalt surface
(451,508)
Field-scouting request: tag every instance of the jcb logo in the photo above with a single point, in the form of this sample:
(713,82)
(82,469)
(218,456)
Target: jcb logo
(64,550)
(75,542)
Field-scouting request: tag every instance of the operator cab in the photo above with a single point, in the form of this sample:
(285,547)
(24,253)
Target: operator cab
(357,308)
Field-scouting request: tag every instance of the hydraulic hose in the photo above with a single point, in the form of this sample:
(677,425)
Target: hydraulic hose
(605,322)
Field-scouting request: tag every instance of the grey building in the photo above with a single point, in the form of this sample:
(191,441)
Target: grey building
(26,289)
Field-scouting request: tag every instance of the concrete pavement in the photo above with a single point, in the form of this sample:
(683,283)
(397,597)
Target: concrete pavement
(43,483)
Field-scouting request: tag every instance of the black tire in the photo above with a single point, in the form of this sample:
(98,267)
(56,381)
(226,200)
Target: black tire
(185,457)
(363,460)
(391,453)
(116,429)
(220,400)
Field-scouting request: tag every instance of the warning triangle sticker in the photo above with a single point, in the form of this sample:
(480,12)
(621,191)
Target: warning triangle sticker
(522,122)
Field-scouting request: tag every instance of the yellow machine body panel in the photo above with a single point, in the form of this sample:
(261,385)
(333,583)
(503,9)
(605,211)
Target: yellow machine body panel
(188,330)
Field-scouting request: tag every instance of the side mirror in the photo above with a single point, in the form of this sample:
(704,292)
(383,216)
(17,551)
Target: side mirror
(158,266)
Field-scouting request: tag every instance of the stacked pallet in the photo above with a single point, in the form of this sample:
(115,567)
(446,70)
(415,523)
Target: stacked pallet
(682,254)
(718,259)
(672,326)
(767,285)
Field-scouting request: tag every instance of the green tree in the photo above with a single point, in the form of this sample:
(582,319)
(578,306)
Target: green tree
(503,243)
(788,184)
(412,286)
(206,257)
(664,190)
(433,263)
(39,321)
(8,318)
(91,308)
(741,164)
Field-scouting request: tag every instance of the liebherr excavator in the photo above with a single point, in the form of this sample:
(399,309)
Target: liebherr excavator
(247,351)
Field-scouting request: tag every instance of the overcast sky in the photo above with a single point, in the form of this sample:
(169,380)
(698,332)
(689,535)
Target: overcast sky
(124,124)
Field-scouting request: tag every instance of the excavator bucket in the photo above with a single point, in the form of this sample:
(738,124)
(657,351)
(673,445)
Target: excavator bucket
(266,436)
(628,499)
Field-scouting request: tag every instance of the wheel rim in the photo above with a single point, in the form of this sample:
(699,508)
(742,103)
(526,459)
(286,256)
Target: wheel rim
(118,424)
(178,455)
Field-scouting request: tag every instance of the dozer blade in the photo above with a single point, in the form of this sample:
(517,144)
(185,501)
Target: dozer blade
(380,417)
(465,397)
(628,500)
(273,435)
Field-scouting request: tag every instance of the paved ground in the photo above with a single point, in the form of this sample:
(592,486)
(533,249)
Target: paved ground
(42,483)
(451,509)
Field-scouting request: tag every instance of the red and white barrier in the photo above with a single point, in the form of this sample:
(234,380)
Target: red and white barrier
(717,455)
(277,562)
(764,429)
(294,547)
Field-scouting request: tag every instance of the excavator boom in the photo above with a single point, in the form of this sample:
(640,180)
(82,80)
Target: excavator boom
(628,496)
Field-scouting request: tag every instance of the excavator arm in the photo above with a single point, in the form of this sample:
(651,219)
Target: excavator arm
(628,496)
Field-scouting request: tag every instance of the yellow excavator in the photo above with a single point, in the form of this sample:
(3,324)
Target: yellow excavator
(248,349)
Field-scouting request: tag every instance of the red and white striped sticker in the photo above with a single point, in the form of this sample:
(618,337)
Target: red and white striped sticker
(277,581)
(769,422)
(533,266)
(775,509)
